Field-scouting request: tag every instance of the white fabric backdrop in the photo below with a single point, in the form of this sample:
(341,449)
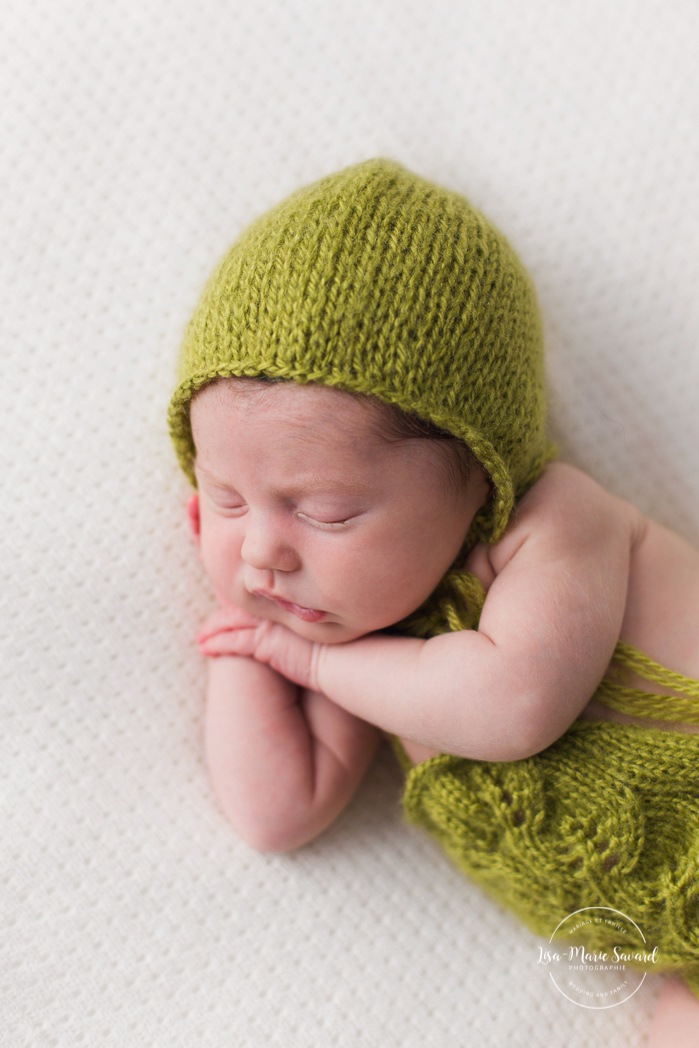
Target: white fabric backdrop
(137,139)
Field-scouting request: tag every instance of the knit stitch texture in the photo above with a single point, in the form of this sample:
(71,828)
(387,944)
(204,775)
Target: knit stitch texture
(376,281)
(606,816)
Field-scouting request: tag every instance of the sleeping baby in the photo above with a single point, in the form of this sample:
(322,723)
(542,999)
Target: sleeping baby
(395,549)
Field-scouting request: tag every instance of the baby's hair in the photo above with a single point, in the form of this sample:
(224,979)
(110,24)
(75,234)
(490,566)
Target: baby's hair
(396,424)
(391,423)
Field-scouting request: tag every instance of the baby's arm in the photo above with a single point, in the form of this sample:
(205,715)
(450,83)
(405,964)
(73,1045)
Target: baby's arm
(550,623)
(283,760)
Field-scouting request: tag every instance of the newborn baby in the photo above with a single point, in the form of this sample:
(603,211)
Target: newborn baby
(394,549)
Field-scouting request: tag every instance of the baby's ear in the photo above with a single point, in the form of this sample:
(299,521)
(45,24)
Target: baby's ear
(194,519)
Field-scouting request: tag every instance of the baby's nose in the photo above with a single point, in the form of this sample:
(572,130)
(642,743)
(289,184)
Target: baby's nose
(266,547)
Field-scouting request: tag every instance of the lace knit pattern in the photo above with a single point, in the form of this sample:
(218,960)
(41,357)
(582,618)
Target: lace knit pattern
(378,282)
(606,816)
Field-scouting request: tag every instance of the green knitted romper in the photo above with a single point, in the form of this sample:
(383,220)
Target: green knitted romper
(379,282)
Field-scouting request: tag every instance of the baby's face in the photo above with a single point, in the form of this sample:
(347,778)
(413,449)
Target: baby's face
(308,516)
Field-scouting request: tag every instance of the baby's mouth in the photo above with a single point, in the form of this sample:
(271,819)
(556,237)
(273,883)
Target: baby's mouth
(306,614)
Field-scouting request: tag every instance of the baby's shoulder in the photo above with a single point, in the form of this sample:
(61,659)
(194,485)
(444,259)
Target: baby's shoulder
(564,493)
(563,515)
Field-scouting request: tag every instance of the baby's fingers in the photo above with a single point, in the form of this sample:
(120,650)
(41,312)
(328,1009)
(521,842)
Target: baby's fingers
(232,642)
(226,619)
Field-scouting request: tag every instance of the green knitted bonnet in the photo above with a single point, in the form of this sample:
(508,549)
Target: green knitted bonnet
(376,281)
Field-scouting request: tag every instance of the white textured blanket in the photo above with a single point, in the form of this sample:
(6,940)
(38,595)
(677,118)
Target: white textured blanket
(136,140)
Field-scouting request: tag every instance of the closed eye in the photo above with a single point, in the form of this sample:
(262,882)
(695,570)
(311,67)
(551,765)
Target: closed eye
(233,508)
(329,525)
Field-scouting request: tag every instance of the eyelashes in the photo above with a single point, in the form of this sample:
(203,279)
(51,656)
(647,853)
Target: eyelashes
(324,525)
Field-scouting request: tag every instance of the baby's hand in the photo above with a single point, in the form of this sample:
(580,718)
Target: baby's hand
(232,631)
(219,624)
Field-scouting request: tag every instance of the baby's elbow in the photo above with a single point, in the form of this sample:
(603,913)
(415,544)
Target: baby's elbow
(276,841)
(270,837)
(524,729)
(536,727)
(270,833)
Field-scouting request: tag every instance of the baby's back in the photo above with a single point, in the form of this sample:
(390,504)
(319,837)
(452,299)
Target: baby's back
(662,605)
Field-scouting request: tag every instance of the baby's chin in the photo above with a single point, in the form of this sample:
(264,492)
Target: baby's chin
(304,622)
(324,632)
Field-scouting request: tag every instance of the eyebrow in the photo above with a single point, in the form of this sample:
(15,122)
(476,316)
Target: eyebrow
(336,486)
(208,475)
